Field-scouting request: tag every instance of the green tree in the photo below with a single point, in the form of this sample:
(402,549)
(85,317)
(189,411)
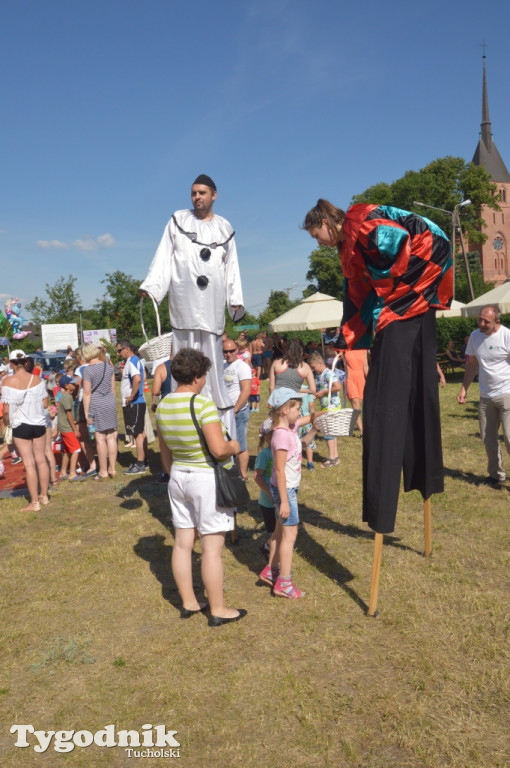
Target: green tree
(61,303)
(119,308)
(231,328)
(277,304)
(443,183)
(325,273)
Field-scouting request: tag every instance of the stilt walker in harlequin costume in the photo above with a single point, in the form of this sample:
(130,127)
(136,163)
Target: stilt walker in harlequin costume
(398,271)
(196,264)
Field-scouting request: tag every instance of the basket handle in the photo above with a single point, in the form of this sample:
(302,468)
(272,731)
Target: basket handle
(157,316)
(333,367)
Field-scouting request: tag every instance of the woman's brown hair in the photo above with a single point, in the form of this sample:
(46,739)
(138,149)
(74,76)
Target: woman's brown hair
(188,365)
(324,210)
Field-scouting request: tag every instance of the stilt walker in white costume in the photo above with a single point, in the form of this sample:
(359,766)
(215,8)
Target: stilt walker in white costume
(196,264)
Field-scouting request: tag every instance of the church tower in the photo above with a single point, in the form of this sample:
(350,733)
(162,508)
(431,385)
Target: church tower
(495,252)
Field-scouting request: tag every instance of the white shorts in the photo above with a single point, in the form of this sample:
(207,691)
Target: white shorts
(193,501)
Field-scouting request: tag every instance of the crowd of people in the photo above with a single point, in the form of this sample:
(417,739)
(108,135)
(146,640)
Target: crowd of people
(203,397)
(65,427)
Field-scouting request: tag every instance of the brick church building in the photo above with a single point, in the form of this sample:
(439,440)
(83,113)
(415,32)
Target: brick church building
(494,253)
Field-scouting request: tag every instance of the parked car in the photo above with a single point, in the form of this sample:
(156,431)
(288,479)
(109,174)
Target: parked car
(49,362)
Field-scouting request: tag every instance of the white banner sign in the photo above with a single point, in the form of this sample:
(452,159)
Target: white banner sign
(59,336)
(94,337)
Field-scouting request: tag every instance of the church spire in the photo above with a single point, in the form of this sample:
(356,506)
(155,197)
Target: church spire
(486,123)
(486,153)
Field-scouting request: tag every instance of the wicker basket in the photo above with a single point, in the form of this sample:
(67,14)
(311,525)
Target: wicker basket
(339,423)
(336,422)
(156,348)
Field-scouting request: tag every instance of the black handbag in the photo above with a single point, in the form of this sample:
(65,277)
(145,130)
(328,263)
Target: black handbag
(231,490)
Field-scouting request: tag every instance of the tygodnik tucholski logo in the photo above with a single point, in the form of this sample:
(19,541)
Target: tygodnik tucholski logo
(152,741)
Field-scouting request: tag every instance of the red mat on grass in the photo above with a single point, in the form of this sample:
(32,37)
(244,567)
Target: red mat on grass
(14,476)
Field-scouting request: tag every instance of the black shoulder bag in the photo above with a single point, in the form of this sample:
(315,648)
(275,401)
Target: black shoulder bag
(231,490)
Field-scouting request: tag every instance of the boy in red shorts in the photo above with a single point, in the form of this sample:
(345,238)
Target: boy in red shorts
(255,391)
(68,429)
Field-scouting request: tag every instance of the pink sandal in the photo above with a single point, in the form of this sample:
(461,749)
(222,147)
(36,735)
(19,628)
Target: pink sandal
(269,575)
(287,588)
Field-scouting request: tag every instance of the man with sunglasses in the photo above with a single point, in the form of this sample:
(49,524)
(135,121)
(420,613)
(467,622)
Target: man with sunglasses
(196,264)
(133,404)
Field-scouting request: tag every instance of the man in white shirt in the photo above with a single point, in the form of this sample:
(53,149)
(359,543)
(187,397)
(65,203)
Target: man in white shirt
(488,349)
(196,264)
(237,376)
(133,404)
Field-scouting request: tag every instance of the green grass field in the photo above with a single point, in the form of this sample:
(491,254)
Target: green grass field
(91,635)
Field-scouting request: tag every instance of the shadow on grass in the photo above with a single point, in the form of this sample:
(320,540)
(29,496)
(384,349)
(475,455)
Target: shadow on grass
(127,456)
(146,488)
(314,517)
(245,550)
(464,415)
(309,548)
(159,556)
(466,477)
(153,548)
(317,556)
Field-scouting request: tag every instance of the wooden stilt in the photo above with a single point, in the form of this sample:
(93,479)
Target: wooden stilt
(427,521)
(376,567)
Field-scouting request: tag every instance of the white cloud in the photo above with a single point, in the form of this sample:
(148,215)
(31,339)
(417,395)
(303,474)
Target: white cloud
(3,231)
(86,245)
(52,244)
(89,244)
(106,241)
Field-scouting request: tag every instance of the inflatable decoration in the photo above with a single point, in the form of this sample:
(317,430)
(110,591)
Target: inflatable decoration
(13,313)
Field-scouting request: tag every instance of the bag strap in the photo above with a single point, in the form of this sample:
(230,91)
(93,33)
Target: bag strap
(199,430)
(201,434)
(102,377)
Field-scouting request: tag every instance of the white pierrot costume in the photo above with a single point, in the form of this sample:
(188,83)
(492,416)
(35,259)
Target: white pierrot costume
(198,288)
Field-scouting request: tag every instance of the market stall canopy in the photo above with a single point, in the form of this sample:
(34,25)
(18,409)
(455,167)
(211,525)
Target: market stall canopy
(315,312)
(499,296)
(454,311)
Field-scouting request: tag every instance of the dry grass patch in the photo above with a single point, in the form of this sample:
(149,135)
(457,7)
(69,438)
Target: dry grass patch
(90,629)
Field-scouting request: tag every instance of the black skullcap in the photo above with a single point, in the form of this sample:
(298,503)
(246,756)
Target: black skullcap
(204,179)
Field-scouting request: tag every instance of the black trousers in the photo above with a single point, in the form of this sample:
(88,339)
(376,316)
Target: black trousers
(401,421)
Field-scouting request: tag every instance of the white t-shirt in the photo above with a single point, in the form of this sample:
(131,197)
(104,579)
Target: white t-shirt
(79,373)
(132,367)
(234,373)
(493,355)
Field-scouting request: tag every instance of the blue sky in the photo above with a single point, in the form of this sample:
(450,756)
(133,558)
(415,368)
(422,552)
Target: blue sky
(110,109)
